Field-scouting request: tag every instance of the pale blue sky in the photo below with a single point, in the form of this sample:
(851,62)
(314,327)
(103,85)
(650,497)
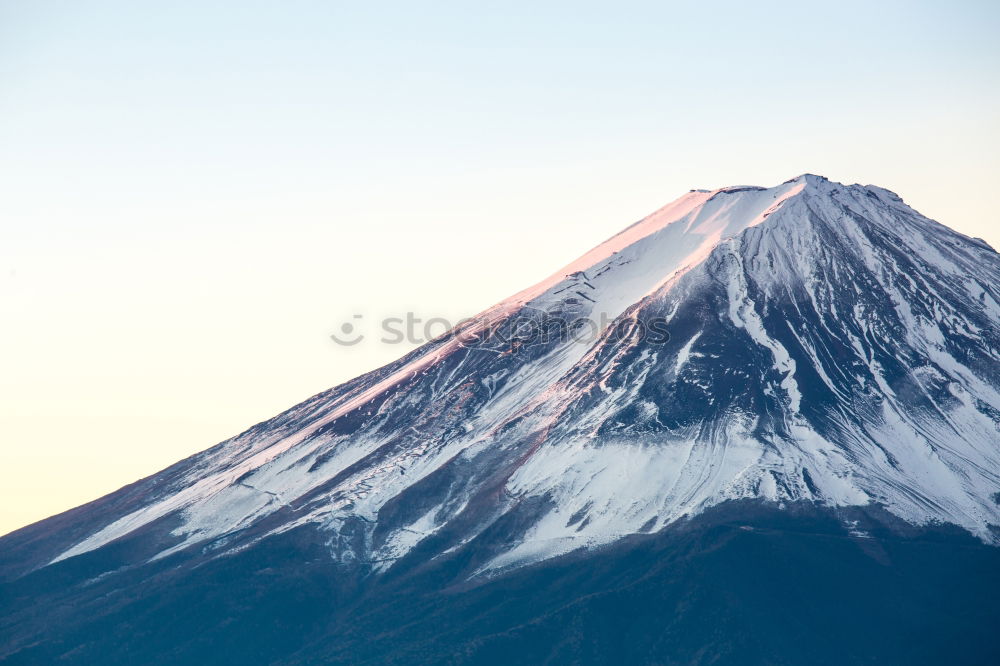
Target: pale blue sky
(193,195)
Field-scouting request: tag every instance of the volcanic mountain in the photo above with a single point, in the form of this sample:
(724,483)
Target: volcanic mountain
(761,425)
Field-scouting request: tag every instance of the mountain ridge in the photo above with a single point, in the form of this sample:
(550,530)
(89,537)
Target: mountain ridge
(693,245)
(753,403)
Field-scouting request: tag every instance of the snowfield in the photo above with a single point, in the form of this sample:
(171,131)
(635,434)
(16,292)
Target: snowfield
(827,344)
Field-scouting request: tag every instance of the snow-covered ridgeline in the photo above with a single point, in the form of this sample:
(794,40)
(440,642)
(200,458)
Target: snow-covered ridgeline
(837,348)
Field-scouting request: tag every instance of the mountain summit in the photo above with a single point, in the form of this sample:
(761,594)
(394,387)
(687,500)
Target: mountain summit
(811,352)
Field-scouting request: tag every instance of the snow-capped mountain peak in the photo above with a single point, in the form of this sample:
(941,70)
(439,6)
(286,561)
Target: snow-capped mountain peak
(826,344)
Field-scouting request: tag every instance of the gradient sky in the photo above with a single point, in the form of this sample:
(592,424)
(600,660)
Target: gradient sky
(194,195)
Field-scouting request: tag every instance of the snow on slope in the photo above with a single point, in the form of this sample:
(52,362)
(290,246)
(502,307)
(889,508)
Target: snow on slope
(828,344)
